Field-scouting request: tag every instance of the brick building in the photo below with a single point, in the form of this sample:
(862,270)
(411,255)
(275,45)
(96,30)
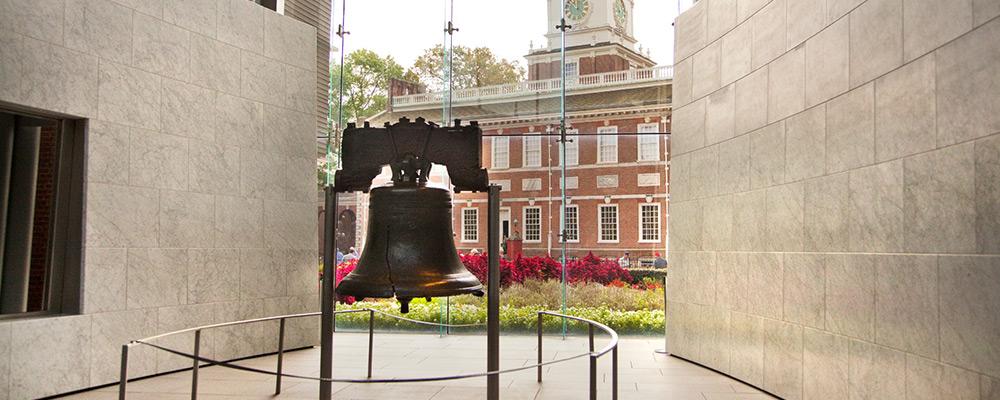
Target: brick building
(616,180)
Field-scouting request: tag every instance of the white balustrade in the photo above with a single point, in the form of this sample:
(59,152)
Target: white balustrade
(539,87)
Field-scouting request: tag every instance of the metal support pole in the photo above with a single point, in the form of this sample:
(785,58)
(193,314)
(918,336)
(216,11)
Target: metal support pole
(123,377)
(371,339)
(447,315)
(329,276)
(281,356)
(540,315)
(197,362)
(493,296)
(614,372)
(593,377)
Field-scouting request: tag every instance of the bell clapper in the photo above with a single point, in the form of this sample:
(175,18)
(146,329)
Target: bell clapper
(404,304)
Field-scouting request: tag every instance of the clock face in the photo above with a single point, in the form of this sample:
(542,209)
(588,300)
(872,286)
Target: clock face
(577,10)
(621,13)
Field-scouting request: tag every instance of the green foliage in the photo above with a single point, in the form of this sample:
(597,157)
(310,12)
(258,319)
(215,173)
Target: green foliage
(641,274)
(366,84)
(548,294)
(471,67)
(628,311)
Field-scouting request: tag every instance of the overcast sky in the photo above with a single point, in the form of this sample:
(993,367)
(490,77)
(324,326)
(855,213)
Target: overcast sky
(403,28)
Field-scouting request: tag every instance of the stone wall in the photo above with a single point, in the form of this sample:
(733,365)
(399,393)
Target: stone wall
(835,210)
(200,184)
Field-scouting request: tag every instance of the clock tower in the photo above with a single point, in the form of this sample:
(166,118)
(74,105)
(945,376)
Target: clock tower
(600,39)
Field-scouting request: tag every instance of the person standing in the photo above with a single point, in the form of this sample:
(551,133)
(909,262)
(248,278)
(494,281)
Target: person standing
(659,262)
(624,262)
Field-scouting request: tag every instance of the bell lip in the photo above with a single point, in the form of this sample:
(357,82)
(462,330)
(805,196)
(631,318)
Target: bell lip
(368,291)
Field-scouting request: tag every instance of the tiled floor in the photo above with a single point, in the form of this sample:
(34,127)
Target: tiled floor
(642,373)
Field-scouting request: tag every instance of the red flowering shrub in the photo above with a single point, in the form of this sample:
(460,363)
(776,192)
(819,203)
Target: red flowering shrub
(591,268)
(343,269)
(587,269)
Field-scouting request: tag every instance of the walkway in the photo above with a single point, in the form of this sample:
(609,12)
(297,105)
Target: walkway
(642,373)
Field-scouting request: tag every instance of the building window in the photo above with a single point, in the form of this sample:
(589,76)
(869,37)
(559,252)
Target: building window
(533,224)
(41,200)
(572,155)
(649,145)
(501,152)
(571,224)
(649,222)
(607,144)
(572,69)
(470,224)
(532,151)
(607,223)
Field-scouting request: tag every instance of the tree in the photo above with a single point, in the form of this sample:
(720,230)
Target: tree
(366,84)
(471,67)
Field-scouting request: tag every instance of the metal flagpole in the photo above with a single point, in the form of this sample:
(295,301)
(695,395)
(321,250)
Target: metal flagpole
(562,140)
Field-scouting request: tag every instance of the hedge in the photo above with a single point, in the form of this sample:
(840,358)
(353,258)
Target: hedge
(639,274)
(512,319)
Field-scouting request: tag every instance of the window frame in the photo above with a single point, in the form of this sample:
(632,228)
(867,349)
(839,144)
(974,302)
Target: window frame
(63,275)
(576,221)
(600,227)
(647,128)
(524,218)
(465,232)
(493,152)
(659,223)
(537,141)
(573,145)
(603,134)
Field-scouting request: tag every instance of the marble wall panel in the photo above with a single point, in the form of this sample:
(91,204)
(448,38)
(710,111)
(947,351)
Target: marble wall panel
(104,280)
(876,39)
(156,277)
(119,216)
(805,18)
(707,70)
(768,33)
(735,54)
(783,359)
(764,284)
(263,79)
(109,331)
(199,16)
(751,101)
(290,41)
(749,210)
(731,287)
(876,372)
(99,27)
(824,366)
(129,96)
(186,220)
(747,357)
(905,111)
(970,296)
(805,149)
(929,24)
(107,142)
(188,110)
(720,113)
(939,201)
(875,218)
(158,160)
(32,376)
(967,69)
(804,289)
(827,203)
(689,119)
(213,275)
(827,61)
(734,162)
(43,21)
(784,228)
(239,222)
(767,156)
(241,24)
(906,303)
(215,64)
(988,195)
(850,119)
(850,295)
(927,379)
(160,47)
(718,226)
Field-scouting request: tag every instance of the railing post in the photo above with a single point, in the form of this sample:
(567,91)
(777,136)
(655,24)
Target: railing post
(540,315)
(371,339)
(593,377)
(590,330)
(593,363)
(281,355)
(614,372)
(197,362)
(124,373)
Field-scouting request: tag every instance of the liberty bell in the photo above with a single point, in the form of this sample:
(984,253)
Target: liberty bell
(409,249)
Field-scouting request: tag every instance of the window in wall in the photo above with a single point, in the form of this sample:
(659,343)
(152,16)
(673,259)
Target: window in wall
(572,147)
(607,219)
(572,69)
(649,145)
(607,144)
(532,151)
(649,222)
(470,224)
(41,207)
(571,224)
(533,224)
(501,152)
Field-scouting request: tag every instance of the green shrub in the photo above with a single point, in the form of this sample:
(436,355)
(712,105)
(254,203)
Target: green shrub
(548,294)
(520,319)
(655,274)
